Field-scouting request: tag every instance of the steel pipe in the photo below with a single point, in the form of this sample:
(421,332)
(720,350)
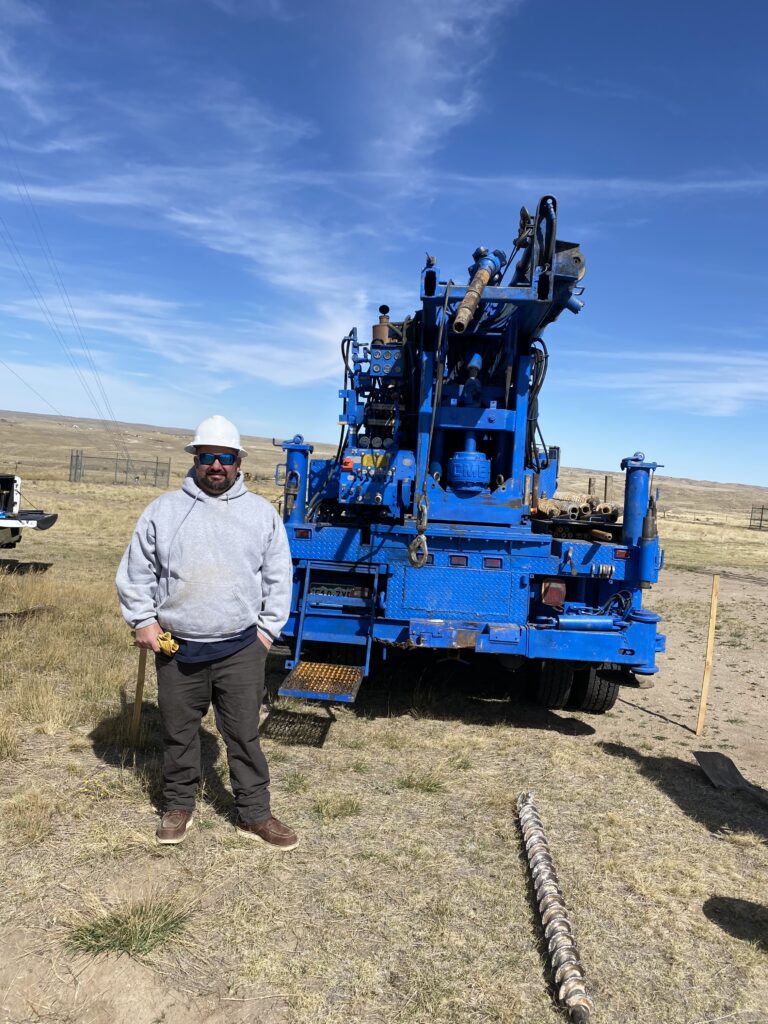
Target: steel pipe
(486,267)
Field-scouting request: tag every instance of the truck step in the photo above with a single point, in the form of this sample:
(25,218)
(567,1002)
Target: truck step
(317,680)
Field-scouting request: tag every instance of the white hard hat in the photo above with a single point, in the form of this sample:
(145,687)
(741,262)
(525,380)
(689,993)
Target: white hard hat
(216,431)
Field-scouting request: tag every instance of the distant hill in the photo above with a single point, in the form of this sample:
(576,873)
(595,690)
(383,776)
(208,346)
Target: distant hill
(41,446)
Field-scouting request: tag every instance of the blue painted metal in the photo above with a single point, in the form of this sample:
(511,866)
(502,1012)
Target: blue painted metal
(637,492)
(294,479)
(422,530)
(335,698)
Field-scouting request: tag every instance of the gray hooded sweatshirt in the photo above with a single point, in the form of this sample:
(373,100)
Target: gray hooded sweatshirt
(206,567)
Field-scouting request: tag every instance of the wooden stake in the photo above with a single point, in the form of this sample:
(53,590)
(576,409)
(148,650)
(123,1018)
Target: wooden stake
(710,652)
(138,697)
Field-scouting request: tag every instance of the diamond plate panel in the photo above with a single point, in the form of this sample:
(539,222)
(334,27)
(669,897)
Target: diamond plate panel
(472,592)
(477,594)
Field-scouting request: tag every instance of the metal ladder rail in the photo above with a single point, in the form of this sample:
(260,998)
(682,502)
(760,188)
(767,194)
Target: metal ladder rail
(293,662)
(374,601)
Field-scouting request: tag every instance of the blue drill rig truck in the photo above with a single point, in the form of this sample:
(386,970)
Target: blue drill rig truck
(426,530)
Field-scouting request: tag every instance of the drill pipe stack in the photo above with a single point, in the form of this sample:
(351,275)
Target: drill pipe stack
(551,509)
(581,506)
(569,980)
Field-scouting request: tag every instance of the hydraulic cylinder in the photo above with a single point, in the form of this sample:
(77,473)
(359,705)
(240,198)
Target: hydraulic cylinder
(637,492)
(297,453)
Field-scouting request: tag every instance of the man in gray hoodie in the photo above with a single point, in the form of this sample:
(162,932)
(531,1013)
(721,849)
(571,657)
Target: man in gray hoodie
(210,563)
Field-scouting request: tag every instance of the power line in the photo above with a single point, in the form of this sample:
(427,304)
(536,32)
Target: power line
(56,274)
(113,429)
(51,321)
(39,298)
(33,390)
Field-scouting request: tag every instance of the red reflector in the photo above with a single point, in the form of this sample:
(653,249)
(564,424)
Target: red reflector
(553,592)
(621,553)
(301,534)
(492,563)
(460,561)
(347,464)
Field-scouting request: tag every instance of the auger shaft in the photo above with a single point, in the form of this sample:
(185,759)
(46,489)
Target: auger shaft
(570,983)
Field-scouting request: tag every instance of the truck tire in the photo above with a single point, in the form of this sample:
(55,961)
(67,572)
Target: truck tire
(593,692)
(552,684)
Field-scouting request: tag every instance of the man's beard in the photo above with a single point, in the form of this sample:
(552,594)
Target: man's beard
(214,485)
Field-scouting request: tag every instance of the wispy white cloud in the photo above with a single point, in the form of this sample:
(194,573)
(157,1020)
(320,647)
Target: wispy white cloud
(24,85)
(252,8)
(426,80)
(252,122)
(612,187)
(19,78)
(62,142)
(21,12)
(580,83)
(697,381)
(285,349)
(149,185)
(134,400)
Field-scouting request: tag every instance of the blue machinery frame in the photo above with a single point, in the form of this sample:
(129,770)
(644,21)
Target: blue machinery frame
(423,530)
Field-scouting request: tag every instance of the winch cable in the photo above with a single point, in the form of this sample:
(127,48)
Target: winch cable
(346,343)
(418,552)
(508,264)
(568,974)
(540,356)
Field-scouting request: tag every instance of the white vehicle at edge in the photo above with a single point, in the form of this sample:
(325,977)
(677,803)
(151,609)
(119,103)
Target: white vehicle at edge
(13,519)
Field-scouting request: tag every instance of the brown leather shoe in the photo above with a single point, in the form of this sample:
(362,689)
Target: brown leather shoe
(173,827)
(271,831)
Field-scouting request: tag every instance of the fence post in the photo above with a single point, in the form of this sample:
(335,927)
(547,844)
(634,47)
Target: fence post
(709,655)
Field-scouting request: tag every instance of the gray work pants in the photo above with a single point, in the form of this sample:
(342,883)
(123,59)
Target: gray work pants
(235,686)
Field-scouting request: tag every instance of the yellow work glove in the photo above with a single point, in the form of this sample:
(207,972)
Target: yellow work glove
(167,644)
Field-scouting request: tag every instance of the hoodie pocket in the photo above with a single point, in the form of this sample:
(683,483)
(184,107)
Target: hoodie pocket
(205,609)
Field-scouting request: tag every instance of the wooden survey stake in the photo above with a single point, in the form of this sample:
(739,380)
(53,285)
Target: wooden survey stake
(136,721)
(710,652)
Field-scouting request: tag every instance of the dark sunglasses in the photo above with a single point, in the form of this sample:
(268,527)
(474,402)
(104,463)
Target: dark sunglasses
(208,458)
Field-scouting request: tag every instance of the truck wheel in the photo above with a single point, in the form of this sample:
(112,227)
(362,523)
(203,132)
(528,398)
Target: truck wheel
(552,684)
(593,692)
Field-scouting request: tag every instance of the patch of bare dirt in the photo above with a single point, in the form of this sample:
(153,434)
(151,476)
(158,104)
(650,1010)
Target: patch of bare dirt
(37,984)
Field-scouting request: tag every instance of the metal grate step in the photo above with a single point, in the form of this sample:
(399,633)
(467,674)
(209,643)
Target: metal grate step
(319,681)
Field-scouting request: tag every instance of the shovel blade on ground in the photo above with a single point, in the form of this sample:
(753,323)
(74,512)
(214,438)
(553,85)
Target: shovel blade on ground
(723,773)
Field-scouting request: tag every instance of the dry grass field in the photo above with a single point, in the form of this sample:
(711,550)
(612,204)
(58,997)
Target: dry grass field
(407,900)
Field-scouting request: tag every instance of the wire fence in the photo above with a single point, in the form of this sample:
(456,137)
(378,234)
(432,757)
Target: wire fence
(707,517)
(117,469)
(758,519)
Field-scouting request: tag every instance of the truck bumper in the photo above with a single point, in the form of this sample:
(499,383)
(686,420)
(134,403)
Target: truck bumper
(634,644)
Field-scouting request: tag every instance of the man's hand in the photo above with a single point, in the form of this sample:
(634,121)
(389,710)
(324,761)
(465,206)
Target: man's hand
(146,637)
(267,641)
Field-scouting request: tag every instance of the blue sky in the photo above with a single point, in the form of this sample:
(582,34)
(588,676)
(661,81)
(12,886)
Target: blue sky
(227,186)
